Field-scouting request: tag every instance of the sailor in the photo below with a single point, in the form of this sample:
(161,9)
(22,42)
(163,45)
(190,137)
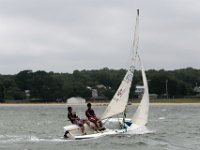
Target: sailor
(92,117)
(75,119)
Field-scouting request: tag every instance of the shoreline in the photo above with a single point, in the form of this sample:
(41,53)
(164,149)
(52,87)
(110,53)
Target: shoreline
(94,104)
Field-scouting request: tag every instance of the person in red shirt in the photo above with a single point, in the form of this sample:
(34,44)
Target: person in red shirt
(92,117)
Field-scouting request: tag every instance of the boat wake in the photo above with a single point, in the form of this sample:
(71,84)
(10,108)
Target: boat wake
(36,139)
(26,138)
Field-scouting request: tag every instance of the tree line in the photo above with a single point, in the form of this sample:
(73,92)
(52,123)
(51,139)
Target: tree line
(50,86)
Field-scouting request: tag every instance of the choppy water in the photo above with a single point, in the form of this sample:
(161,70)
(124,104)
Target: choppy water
(40,128)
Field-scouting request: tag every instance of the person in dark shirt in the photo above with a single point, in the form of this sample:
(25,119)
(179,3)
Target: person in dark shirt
(90,114)
(75,119)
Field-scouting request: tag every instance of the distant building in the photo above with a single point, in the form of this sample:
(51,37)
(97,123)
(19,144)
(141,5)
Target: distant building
(94,93)
(139,89)
(27,92)
(76,100)
(101,86)
(196,89)
(153,96)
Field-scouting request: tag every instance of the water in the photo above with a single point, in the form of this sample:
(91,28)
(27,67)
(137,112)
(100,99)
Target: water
(40,128)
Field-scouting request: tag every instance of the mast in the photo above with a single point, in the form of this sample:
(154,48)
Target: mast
(119,102)
(135,41)
(134,54)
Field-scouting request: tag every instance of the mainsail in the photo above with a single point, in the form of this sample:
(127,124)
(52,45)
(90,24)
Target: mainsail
(120,99)
(141,115)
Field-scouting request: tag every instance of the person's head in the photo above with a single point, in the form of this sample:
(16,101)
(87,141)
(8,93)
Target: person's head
(89,105)
(69,109)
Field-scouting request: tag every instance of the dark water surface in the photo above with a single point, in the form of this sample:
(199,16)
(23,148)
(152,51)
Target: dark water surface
(177,127)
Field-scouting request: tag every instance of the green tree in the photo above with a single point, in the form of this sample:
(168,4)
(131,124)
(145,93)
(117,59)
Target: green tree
(23,80)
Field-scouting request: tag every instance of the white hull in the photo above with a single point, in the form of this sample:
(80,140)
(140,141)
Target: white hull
(94,135)
(112,125)
(74,132)
(116,123)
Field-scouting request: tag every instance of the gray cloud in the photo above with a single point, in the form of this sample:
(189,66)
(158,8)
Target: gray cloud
(64,35)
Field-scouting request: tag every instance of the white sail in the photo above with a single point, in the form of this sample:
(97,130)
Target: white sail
(141,115)
(120,99)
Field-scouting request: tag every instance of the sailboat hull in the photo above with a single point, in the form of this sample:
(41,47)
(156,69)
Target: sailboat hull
(117,123)
(112,125)
(74,132)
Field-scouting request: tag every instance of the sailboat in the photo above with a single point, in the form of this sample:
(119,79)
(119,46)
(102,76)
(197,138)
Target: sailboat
(118,105)
(135,124)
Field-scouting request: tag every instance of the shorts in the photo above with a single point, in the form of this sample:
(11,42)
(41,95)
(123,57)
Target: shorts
(79,122)
(93,119)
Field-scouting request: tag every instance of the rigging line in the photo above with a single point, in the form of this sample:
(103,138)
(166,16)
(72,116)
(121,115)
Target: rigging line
(139,59)
(124,117)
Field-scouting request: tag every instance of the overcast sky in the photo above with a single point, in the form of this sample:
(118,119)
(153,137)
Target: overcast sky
(65,35)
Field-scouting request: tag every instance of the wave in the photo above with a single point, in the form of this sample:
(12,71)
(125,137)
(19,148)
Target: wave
(139,130)
(10,138)
(36,139)
(28,138)
(141,143)
(161,118)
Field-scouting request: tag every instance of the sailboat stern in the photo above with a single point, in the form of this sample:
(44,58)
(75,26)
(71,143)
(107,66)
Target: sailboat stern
(72,131)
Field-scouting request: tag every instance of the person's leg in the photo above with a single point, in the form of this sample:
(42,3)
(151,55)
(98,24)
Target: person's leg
(82,129)
(65,135)
(100,123)
(87,122)
(80,124)
(91,119)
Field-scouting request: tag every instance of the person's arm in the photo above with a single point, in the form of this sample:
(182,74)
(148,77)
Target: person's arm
(77,117)
(71,118)
(74,116)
